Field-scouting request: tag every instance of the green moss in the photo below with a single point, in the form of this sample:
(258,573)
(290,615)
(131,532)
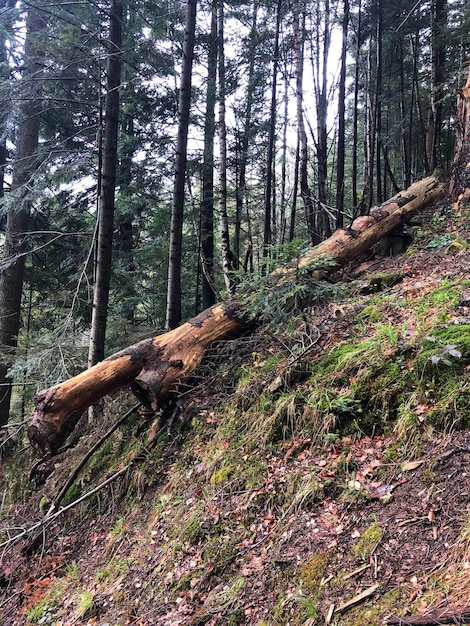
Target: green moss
(184,583)
(113,570)
(86,604)
(312,572)
(72,572)
(272,363)
(367,543)
(451,404)
(244,376)
(72,494)
(298,492)
(48,609)
(40,612)
(371,313)
(236,618)
(15,475)
(279,614)
(192,529)
(446,294)
(221,475)
(253,470)
(119,529)
(220,551)
(458,335)
(344,358)
(393,601)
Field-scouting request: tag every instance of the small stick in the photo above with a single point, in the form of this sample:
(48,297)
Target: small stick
(345,606)
(49,518)
(59,497)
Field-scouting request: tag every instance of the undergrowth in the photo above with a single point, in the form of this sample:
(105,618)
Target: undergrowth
(272,451)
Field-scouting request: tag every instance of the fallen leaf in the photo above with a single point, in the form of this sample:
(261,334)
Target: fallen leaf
(408,466)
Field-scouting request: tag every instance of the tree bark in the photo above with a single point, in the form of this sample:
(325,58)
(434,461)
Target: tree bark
(438,56)
(247,130)
(357,62)
(229,263)
(301,173)
(27,162)
(155,368)
(321,54)
(104,239)
(342,121)
(267,236)
(173,305)
(207,204)
(459,187)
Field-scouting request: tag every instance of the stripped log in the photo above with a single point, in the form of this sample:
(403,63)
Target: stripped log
(155,368)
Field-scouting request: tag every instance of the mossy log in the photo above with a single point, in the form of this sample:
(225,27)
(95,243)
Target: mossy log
(155,368)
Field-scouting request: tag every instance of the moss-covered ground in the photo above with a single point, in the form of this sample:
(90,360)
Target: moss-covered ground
(317,473)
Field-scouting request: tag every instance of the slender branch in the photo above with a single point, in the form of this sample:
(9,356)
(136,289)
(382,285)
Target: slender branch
(44,522)
(59,497)
(51,517)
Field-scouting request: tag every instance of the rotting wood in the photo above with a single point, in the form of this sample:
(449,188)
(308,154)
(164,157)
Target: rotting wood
(459,186)
(155,368)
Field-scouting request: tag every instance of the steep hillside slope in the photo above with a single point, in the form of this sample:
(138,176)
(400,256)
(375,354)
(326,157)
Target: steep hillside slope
(315,471)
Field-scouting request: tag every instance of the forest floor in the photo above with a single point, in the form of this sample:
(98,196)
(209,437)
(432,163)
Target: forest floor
(317,474)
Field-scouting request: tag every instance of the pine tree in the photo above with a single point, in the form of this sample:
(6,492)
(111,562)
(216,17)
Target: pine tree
(104,239)
(27,161)
(173,310)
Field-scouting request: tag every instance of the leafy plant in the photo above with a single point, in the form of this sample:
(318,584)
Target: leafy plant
(41,613)
(276,296)
(444,356)
(442,241)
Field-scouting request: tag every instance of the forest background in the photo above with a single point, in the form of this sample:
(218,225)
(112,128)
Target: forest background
(155,154)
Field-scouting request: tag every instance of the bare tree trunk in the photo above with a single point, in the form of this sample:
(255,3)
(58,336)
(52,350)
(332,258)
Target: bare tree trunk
(242,198)
(405,153)
(207,206)
(293,211)
(26,163)
(416,103)
(173,305)
(7,15)
(156,368)
(321,52)
(283,202)
(433,131)
(356,108)
(302,171)
(228,264)
(378,105)
(370,129)
(342,121)
(267,237)
(104,239)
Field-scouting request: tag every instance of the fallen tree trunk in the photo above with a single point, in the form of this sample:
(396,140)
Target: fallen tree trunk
(153,367)
(156,367)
